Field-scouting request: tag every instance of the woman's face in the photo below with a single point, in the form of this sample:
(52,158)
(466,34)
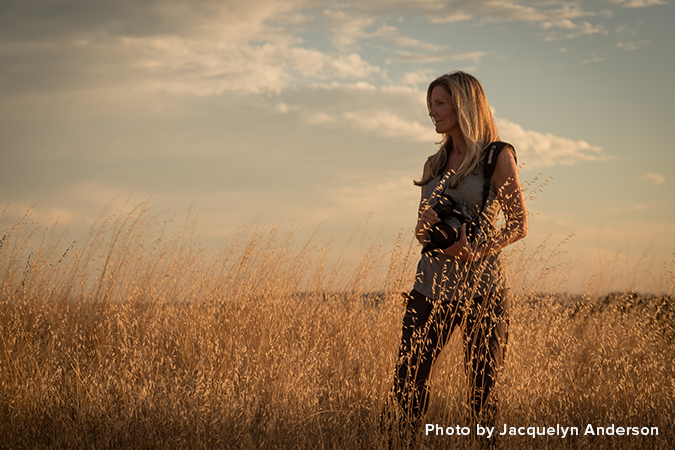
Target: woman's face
(442,110)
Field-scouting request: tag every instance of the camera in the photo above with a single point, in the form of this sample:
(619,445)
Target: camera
(452,215)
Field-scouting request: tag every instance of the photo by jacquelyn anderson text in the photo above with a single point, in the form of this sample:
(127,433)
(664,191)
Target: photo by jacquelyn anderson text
(563,432)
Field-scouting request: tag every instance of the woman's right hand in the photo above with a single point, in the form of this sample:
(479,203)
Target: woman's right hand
(428,217)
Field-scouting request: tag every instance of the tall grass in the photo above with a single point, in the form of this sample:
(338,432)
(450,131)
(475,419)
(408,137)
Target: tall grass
(139,338)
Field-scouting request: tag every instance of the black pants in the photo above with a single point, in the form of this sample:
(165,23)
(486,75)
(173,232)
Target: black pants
(427,327)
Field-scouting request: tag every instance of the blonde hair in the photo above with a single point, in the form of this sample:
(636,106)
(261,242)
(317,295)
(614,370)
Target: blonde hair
(474,118)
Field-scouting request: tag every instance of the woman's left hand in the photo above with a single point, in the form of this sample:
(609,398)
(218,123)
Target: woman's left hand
(461,248)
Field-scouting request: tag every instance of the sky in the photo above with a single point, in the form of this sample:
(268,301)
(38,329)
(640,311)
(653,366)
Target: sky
(311,115)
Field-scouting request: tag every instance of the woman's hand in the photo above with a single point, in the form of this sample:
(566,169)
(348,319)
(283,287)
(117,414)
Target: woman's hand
(461,248)
(428,217)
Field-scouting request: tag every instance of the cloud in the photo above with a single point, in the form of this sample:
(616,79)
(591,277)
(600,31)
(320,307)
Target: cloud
(626,208)
(417,57)
(632,45)
(575,31)
(389,35)
(393,194)
(347,30)
(388,112)
(390,124)
(203,68)
(227,20)
(188,66)
(547,15)
(655,178)
(537,149)
(593,59)
(206,48)
(493,11)
(638,3)
(557,19)
(418,77)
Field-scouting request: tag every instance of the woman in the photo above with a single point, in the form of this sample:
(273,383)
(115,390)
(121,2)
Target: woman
(464,284)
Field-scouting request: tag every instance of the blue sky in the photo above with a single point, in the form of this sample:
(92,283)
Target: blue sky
(311,113)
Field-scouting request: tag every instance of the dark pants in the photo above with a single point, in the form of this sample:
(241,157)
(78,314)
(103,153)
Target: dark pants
(427,327)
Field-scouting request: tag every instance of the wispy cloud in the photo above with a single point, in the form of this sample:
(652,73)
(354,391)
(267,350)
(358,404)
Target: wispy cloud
(575,31)
(418,77)
(626,208)
(655,178)
(638,3)
(393,194)
(556,18)
(387,112)
(346,30)
(537,149)
(390,124)
(632,45)
(388,34)
(593,59)
(494,11)
(418,57)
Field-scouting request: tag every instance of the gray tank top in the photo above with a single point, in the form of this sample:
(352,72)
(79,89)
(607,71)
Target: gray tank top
(447,278)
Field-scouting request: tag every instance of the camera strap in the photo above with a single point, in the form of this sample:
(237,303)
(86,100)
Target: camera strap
(493,151)
(440,187)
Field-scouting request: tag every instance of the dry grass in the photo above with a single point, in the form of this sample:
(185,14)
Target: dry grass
(139,339)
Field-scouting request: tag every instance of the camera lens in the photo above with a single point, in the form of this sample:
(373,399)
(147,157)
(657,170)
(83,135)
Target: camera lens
(445,233)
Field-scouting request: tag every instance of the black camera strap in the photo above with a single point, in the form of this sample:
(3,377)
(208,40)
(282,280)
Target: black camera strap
(493,151)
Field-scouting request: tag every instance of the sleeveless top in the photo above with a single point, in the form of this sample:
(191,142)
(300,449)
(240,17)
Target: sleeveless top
(447,278)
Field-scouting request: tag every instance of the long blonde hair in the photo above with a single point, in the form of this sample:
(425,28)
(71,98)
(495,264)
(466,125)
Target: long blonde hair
(474,118)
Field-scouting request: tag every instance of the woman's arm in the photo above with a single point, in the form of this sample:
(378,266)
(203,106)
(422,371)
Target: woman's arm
(512,201)
(425,215)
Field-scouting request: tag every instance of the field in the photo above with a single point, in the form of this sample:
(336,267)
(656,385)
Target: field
(138,338)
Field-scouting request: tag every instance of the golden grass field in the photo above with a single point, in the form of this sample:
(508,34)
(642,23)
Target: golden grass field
(136,338)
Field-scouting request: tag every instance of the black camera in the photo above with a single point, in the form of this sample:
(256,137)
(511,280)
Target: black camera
(452,215)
